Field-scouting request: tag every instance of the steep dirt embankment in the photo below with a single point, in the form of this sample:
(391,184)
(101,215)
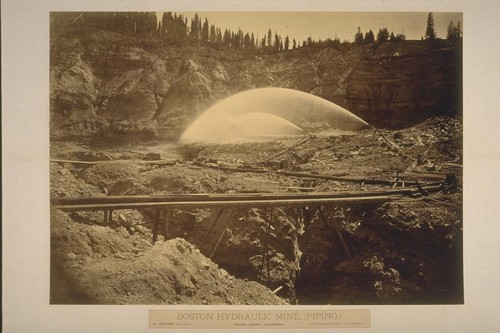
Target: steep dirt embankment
(136,89)
(99,265)
(406,83)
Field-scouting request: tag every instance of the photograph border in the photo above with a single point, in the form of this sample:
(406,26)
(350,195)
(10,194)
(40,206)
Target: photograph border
(25,199)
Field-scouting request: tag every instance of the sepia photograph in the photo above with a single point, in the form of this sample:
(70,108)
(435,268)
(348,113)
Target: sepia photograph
(226,165)
(256,158)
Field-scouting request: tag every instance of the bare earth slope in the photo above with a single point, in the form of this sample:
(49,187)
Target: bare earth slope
(408,251)
(116,88)
(102,265)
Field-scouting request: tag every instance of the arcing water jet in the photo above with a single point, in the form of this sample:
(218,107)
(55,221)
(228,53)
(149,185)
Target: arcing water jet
(264,112)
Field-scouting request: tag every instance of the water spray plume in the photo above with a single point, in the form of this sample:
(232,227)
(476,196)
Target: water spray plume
(267,112)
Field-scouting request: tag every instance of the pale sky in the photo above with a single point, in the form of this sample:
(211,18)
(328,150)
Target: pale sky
(322,25)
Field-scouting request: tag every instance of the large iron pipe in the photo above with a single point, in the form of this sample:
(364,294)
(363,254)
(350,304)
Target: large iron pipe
(231,203)
(371,181)
(233,197)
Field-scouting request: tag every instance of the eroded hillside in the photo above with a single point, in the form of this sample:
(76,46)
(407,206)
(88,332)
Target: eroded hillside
(113,87)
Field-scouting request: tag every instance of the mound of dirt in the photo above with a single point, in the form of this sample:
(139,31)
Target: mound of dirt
(65,184)
(103,265)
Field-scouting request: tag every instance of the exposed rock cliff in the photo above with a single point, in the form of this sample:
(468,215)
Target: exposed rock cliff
(100,78)
(405,83)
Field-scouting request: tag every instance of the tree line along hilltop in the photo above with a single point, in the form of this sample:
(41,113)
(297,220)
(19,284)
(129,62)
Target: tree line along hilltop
(178,28)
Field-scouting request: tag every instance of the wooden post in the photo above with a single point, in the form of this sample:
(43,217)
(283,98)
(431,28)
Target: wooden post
(338,233)
(308,216)
(268,230)
(217,214)
(167,216)
(108,216)
(309,213)
(156,225)
(265,254)
(228,218)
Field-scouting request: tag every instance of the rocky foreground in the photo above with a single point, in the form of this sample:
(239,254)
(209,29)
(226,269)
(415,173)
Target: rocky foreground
(403,252)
